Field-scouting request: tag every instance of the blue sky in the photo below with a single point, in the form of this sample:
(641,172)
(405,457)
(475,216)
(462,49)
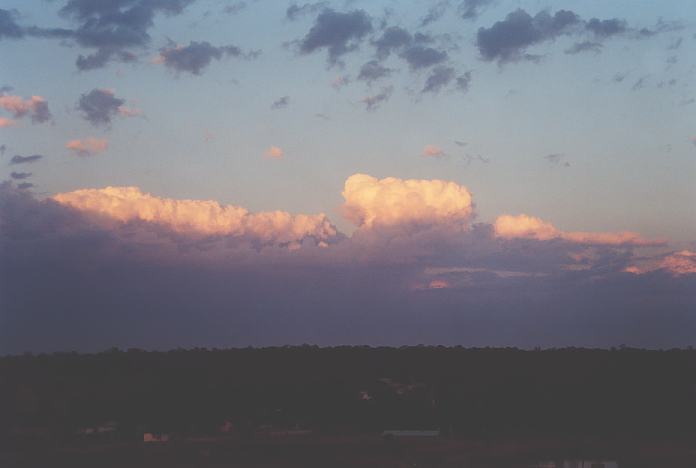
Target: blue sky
(603,140)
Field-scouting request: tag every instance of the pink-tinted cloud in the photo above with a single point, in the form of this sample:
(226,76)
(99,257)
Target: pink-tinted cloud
(274,152)
(88,146)
(205,217)
(125,111)
(372,202)
(433,151)
(35,107)
(4,122)
(676,263)
(529,227)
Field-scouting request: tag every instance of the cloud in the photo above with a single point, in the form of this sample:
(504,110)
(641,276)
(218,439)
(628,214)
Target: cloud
(435,12)
(392,39)
(464,81)
(20,175)
(340,81)
(640,83)
(203,217)
(693,140)
(433,151)
(419,56)
(376,100)
(680,263)
(99,106)
(234,8)
(337,32)
(371,202)
(439,78)
(88,146)
(196,56)
(5,122)
(676,263)
(197,273)
(606,28)
(3,148)
(25,185)
(294,11)
(508,40)
(529,227)
(585,46)
(372,71)
(17,159)
(35,107)
(113,28)
(274,152)
(471,9)
(557,159)
(281,102)
(8,27)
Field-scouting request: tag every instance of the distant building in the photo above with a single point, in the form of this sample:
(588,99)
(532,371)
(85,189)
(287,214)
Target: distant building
(101,429)
(391,434)
(155,437)
(578,464)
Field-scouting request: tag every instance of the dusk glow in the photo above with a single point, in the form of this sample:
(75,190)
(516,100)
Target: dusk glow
(484,173)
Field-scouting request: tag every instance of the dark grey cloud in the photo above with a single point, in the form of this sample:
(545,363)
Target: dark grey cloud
(101,57)
(234,7)
(376,100)
(336,32)
(435,12)
(373,71)
(114,27)
(196,56)
(17,159)
(281,102)
(464,81)
(111,29)
(20,175)
(393,38)
(25,185)
(460,143)
(295,10)
(40,112)
(8,27)
(3,149)
(507,40)
(439,78)
(606,28)
(471,9)
(419,56)
(585,46)
(99,106)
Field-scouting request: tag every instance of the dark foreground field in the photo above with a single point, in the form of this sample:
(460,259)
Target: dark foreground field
(329,407)
(357,452)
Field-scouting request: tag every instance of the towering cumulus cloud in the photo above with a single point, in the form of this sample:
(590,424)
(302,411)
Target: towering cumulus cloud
(206,217)
(529,227)
(372,202)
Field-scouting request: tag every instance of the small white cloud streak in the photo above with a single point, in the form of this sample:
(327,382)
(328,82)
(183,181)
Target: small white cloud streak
(530,227)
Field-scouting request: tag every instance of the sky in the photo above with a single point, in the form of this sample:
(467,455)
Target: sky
(180,173)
